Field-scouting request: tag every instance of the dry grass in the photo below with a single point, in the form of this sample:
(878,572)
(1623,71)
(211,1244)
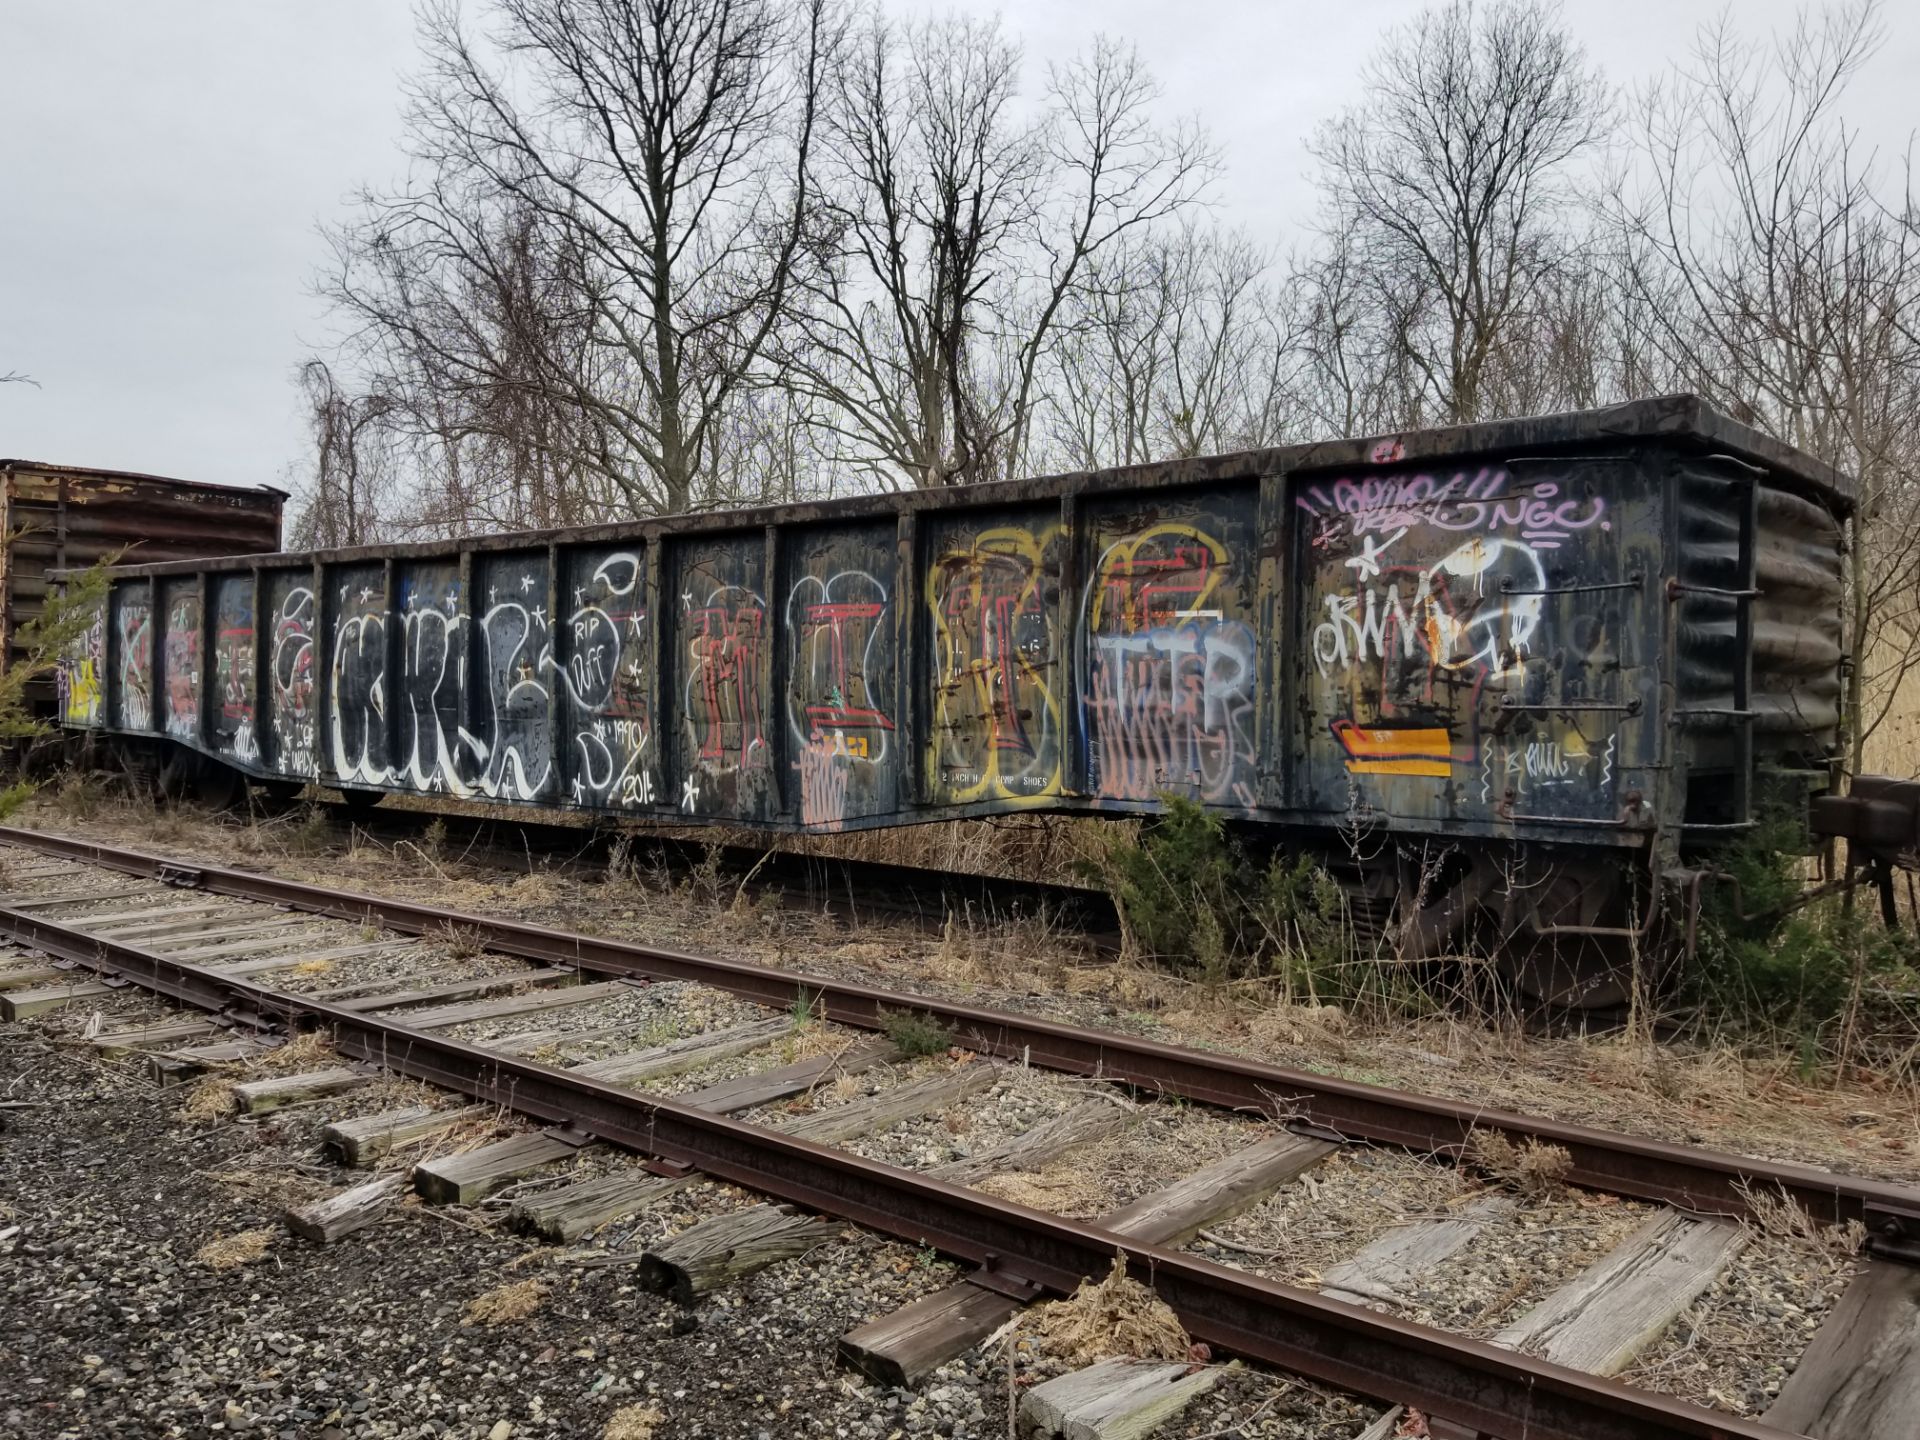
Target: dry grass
(633,1422)
(1777,1215)
(309,1050)
(313,967)
(1114,1317)
(230,1252)
(210,1099)
(535,890)
(462,942)
(1534,1169)
(1033,1191)
(805,1042)
(505,1304)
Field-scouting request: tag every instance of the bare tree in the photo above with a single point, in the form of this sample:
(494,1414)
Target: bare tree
(1772,274)
(14,377)
(1178,345)
(1451,187)
(660,152)
(351,479)
(957,229)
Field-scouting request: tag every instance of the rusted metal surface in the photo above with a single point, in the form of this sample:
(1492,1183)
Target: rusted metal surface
(1469,1384)
(1692,1179)
(60,517)
(1467,631)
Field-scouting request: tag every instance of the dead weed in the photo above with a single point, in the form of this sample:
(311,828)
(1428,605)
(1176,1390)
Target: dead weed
(1777,1215)
(229,1252)
(505,1304)
(210,1099)
(1114,1317)
(633,1422)
(1534,1169)
(310,1049)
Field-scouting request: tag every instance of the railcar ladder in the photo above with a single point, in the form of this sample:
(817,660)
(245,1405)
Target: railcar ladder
(1740,715)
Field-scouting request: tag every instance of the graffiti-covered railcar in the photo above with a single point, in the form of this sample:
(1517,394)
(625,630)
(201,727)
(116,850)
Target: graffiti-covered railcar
(1599,637)
(59,517)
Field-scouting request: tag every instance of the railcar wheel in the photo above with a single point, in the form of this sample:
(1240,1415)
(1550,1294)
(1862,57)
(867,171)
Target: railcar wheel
(359,802)
(184,775)
(1578,938)
(274,797)
(1589,975)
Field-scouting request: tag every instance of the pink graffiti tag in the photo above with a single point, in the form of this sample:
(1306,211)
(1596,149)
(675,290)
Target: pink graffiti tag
(1485,502)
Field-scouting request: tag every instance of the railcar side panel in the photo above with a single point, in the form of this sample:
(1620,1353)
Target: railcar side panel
(719,670)
(838,672)
(290,667)
(233,729)
(991,674)
(1479,640)
(354,623)
(131,655)
(430,697)
(605,662)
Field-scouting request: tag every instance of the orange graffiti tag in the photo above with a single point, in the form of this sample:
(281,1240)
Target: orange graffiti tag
(1395,750)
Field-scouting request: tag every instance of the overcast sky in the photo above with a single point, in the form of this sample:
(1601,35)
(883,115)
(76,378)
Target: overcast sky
(163,168)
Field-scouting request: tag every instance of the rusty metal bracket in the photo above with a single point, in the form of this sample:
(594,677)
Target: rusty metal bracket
(1606,707)
(187,877)
(1635,579)
(994,1275)
(1676,587)
(1893,1231)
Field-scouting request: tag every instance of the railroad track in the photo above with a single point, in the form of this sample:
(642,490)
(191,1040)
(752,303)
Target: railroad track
(561,1029)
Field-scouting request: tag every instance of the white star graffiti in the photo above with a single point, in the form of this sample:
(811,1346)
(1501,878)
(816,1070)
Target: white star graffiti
(1366,564)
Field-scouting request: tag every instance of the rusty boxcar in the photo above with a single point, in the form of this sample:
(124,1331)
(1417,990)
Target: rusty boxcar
(60,517)
(1516,673)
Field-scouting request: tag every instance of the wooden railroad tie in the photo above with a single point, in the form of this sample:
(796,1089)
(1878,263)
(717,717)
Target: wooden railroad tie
(564,1215)
(143,1037)
(1860,1378)
(890,1107)
(342,1213)
(440,1017)
(1605,1316)
(468,1178)
(1387,1270)
(898,1349)
(1114,1399)
(715,1252)
(20,1004)
(446,990)
(358,1142)
(690,1053)
(256,1097)
(570,1212)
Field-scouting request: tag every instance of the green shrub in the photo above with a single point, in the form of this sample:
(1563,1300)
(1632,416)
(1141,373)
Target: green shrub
(1814,978)
(915,1033)
(1192,897)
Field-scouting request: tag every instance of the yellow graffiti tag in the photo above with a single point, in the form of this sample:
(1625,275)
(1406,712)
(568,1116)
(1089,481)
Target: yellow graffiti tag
(986,684)
(1121,568)
(83,691)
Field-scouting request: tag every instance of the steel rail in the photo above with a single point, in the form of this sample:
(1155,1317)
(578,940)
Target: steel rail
(1703,1181)
(1470,1384)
